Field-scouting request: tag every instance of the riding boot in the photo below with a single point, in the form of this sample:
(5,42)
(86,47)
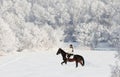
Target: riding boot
(69,56)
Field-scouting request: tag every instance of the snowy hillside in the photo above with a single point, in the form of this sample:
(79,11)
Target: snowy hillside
(47,64)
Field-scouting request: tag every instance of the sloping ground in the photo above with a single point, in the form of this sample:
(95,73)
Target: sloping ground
(47,64)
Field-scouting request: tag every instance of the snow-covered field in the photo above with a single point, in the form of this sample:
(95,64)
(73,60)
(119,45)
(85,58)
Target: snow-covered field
(47,24)
(47,64)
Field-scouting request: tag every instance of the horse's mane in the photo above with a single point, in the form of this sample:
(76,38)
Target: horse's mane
(62,50)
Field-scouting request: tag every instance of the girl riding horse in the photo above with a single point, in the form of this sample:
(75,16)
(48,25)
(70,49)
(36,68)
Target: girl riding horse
(76,58)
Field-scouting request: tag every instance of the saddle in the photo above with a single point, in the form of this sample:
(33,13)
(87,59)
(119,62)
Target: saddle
(70,56)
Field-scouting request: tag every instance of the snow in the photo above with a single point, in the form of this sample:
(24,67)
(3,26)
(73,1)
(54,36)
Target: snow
(47,24)
(88,22)
(34,63)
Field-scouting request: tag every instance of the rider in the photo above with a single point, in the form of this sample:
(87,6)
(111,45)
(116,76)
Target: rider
(70,51)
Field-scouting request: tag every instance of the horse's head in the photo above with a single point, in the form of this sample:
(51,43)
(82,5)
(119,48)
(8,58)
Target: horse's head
(59,51)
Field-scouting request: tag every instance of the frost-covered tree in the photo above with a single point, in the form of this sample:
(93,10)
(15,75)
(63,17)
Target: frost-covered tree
(70,34)
(89,22)
(115,39)
(8,41)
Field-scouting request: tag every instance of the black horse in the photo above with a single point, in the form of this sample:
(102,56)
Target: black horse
(76,58)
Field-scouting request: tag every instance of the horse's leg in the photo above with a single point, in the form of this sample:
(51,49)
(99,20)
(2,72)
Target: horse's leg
(76,64)
(64,61)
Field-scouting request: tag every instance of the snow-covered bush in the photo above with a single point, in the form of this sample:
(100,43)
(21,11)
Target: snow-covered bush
(115,70)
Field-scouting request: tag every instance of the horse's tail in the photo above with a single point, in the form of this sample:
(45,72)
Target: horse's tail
(83,61)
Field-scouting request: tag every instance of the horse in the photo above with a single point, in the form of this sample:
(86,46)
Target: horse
(76,58)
